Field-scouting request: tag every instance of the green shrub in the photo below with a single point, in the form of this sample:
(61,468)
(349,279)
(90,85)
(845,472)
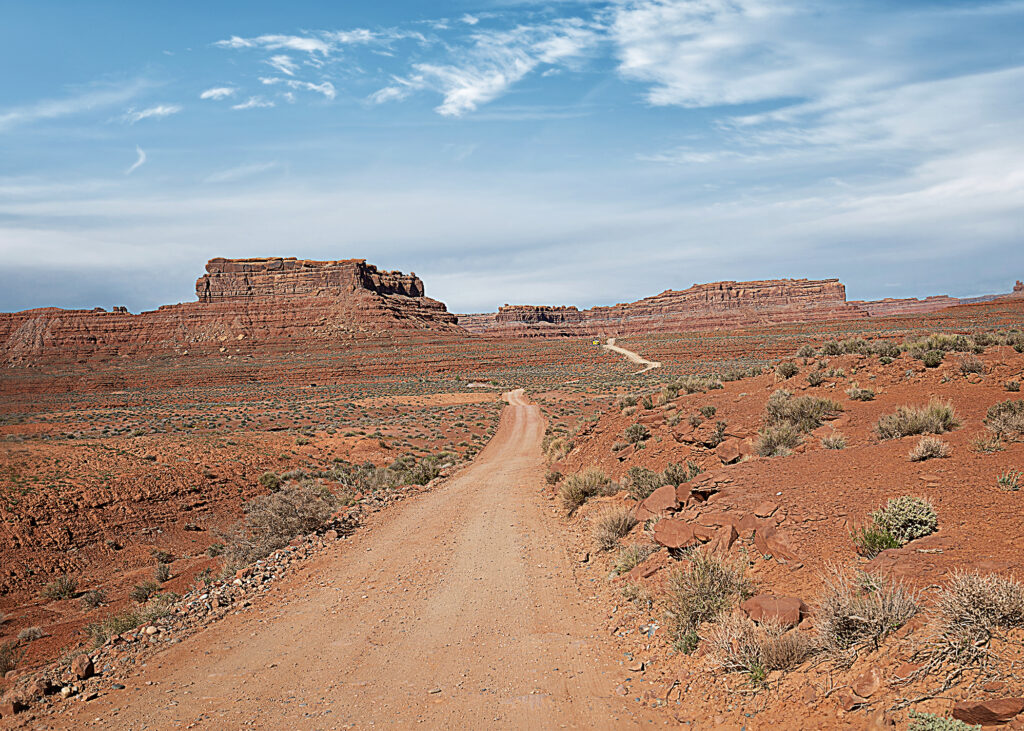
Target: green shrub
(708,411)
(888,350)
(1013,386)
(270,481)
(553,477)
(582,486)
(162,572)
(63,588)
(646,403)
(10,656)
(708,588)
(786,369)
(641,482)
(612,525)
(907,518)
(930,722)
(935,418)
(636,433)
(676,474)
(832,347)
(806,351)
(855,346)
(814,378)
(144,590)
(93,598)
(804,413)
(871,540)
(931,358)
(1009,480)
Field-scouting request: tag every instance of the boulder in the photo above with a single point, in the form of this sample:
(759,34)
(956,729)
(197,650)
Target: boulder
(785,610)
(867,683)
(82,667)
(772,542)
(766,509)
(674,534)
(661,500)
(11,706)
(988,712)
(723,539)
(729,451)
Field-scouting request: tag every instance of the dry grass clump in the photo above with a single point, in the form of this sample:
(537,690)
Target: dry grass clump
(971,364)
(697,384)
(777,441)
(805,413)
(636,433)
(1006,420)
(632,556)
(126,621)
(641,482)
(612,525)
(556,449)
(851,614)
(857,393)
(786,369)
(577,489)
(1009,480)
(929,448)
(62,588)
(834,441)
(273,520)
(973,609)
(739,645)
(93,598)
(935,418)
(10,656)
(30,634)
(709,587)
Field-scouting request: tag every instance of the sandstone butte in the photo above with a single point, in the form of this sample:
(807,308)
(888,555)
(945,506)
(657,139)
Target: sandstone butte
(262,300)
(710,306)
(288,300)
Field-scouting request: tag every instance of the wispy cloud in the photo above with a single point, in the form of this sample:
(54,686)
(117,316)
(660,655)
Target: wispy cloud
(218,92)
(284,64)
(326,88)
(254,102)
(156,112)
(139,162)
(240,172)
(307,44)
(492,63)
(86,101)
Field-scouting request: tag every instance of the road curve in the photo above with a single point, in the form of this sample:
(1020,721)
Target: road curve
(648,364)
(455,609)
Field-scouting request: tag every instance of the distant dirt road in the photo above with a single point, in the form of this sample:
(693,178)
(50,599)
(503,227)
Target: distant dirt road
(456,609)
(648,364)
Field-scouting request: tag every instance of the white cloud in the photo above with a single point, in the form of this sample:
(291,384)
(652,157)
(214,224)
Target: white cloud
(493,62)
(218,92)
(326,88)
(470,19)
(254,102)
(161,110)
(240,172)
(284,64)
(139,162)
(69,106)
(306,44)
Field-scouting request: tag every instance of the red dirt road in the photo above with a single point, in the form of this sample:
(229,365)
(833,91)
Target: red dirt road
(454,610)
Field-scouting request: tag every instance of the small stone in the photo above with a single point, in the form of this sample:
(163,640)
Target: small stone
(435,691)
(67,691)
(637,667)
(867,683)
(850,701)
(583,557)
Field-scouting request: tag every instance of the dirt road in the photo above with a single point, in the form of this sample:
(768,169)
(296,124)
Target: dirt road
(457,609)
(630,355)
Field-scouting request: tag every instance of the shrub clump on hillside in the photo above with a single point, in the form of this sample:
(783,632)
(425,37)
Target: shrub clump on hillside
(935,418)
(577,489)
(902,520)
(850,614)
(612,525)
(857,393)
(1006,420)
(928,448)
(973,608)
(737,644)
(787,418)
(701,593)
(636,433)
(786,369)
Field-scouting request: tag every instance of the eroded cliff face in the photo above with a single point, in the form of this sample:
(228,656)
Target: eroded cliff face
(701,307)
(240,300)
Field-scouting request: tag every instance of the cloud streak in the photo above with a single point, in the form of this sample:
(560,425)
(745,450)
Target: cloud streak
(218,92)
(133,116)
(139,162)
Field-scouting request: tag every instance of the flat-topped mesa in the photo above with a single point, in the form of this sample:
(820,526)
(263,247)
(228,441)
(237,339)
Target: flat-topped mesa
(228,279)
(532,314)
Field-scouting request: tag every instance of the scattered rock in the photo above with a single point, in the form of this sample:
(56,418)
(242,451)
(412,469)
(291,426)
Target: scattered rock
(729,451)
(988,712)
(82,667)
(674,534)
(787,611)
(10,707)
(661,500)
(766,509)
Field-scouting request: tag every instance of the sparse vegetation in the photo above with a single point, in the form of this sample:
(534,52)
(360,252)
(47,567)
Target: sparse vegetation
(10,656)
(851,614)
(1006,420)
(641,482)
(928,448)
(857,393)
(612,525)
(129,619)
(29,634)
(777,441)
(786,369)
(1012,386)
(971,364)
(739,645)
(935,418)
(582,486)
(632,556)
(920,721)
(270,481)
(932,358)
(162,572)
(710,586)
(815,378)
(144,590)
(907,518)
(1009,480)
(834,441)
(972,609)
(871,540)
(93,598)
(63,588)
(676,474)
(805,413)
(636,433)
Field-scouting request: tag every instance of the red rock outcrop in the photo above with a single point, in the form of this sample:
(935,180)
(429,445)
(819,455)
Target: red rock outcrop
(701,307)
(709,307)
(250,300)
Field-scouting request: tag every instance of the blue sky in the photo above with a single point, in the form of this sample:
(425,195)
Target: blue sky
(558,152)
